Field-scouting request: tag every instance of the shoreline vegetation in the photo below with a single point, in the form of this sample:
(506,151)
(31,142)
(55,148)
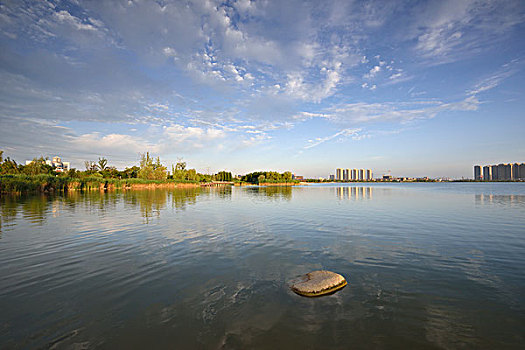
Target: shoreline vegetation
(53,183)
(39,176)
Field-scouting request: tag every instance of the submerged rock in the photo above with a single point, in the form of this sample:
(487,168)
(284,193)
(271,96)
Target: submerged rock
(319,283)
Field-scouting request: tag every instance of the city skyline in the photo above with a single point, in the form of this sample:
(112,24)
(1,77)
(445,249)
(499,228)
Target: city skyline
(414,89)
(347,174)
(502,171)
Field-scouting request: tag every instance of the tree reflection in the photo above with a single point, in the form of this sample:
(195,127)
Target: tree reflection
(272,192)
(8,209)
(181,197)
(34,208)
(150,201)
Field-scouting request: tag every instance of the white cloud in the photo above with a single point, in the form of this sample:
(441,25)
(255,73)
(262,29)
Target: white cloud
(492,81)
(395,76)
(111,145)
(178,134)
(66,17)
(401,112)
(255,140)
(451,30)
(372,73)
(169,51)
(354,133)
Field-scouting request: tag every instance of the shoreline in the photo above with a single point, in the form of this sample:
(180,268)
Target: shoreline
(10,184)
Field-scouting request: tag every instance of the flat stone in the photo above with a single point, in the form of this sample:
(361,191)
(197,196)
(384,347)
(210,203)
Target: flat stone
(319,283)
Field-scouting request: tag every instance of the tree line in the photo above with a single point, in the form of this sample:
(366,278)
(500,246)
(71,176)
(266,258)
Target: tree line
(150,168)
(267,177)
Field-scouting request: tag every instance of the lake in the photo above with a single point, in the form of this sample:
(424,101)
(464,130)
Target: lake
(429,265)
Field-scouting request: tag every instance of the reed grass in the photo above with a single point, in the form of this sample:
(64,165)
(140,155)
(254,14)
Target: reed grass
(50,183)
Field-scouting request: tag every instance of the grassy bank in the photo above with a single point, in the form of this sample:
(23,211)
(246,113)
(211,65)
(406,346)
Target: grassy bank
(50,183)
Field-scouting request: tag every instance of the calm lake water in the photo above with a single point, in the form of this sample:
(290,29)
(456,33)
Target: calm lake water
(428,266)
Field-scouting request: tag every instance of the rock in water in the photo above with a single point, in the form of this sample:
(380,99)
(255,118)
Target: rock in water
(318,283)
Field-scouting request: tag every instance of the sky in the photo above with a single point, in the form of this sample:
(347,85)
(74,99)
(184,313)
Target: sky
(411,88)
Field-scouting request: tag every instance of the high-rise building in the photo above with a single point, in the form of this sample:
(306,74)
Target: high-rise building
(508,171)
(355,176)
(515,171)
(477,172)
(501,172)
(494,171)
(504,171)
(338,174)
(369,174)
(487,173)
(361,174)
(345,174)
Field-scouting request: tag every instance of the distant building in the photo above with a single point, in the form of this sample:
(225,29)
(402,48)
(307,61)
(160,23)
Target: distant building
(502,171)
(515,171)
(56,163)
(477,172)
(487,173)
(331,177)
(352,174)
(345,174)
(59,165)
(494,171)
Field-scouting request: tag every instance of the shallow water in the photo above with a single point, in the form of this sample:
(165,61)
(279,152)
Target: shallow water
(428,265)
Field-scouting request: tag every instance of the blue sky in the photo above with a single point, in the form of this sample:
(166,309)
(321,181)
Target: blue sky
(418,88)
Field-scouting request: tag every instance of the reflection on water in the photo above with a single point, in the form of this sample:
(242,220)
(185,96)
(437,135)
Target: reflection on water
(200,268)
(512,199)
(361,192)
(35,208)
(8,210)
(270,192)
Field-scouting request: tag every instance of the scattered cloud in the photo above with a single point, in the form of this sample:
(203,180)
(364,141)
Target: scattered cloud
(399,112)
(492,81)
(353,133)
(240,73)
(450,30)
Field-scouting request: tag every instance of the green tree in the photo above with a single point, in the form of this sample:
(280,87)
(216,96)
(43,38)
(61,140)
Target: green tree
(37,166)
(130,173)
(91,166)
(9,166)
(102,163)
(179,170)
(191,175)
(160,172)
(150,169)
